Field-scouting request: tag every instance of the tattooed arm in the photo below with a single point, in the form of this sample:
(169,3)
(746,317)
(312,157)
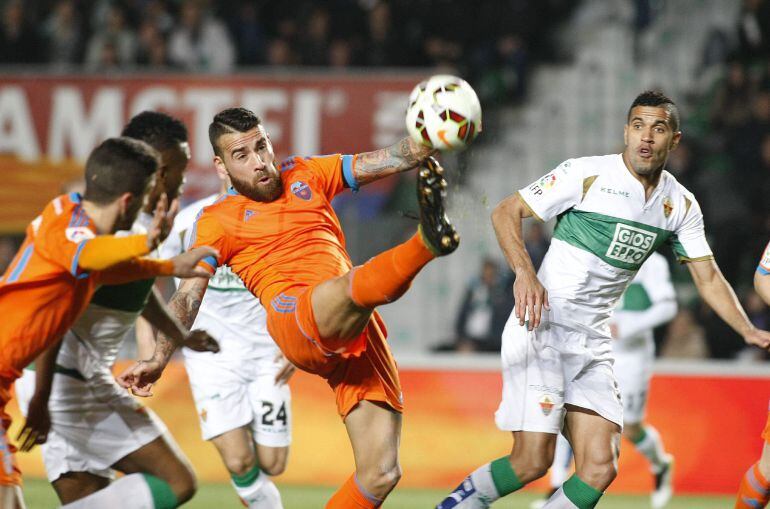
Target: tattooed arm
(402,156)
(184,306)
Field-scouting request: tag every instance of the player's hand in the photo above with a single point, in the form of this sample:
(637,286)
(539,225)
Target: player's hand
(162,221)
(287,370)
(140,377)
(186,264)
(758,337)
(200,341)
(530,297)
(36,428)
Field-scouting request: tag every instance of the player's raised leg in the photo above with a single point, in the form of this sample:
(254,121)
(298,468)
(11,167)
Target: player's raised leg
(158,476)
(342,306)
(375,433)
(596,444)
(250,467)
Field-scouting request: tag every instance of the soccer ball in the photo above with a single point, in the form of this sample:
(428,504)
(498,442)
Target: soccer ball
(444,113)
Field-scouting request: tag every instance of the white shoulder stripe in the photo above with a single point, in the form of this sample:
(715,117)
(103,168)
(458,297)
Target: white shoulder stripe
(57,206)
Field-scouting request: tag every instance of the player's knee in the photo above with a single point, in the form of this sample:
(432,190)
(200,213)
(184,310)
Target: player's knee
(273,466)
(598,474)
(241,464)
(632,431)
(531,465)
(380,482)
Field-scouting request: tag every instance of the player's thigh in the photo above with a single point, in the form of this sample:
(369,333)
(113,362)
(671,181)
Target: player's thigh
(375,433)
(11,497)
(161,458)
(335,313)
(72,486)
(236,448)
(595,440)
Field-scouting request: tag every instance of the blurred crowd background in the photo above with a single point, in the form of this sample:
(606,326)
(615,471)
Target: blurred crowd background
(497,45)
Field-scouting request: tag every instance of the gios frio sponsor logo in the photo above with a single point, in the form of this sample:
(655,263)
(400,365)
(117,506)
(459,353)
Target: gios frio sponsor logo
(630,244)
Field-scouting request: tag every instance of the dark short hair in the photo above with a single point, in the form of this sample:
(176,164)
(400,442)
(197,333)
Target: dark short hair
(159,130)
(117,166)
(231,120)
(656,98)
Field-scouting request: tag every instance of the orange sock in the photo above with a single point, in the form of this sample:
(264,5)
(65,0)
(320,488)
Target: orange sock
(754,491)
(351,496)
(387,276)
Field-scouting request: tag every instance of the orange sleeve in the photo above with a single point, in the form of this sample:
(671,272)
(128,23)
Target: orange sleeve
(105,251)
(136,269)
(207,231)
(334,173)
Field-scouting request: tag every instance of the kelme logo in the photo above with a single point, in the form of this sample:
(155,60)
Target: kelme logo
(630,244)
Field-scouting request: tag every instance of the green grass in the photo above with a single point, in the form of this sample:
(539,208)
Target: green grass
(39,495)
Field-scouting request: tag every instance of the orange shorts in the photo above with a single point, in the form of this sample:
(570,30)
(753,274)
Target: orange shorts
(362,369)
(10,475)
(766,431)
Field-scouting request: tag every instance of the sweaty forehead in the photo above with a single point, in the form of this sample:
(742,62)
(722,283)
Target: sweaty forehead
(234,141)
(651,114)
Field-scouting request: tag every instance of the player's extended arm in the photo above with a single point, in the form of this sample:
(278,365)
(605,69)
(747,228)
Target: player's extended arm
(717,292)
(184,305)
(157,313)
(402,156)
(661,311)
(38,423)
(183,266)
(530,296)
(762,286)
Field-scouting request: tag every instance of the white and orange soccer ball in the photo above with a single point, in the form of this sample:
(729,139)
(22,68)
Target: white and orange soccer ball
(444,113)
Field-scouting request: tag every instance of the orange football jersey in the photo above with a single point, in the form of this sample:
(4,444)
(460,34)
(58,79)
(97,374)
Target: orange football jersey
(294,240)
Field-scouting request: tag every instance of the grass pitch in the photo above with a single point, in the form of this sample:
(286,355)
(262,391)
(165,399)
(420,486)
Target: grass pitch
(39,495)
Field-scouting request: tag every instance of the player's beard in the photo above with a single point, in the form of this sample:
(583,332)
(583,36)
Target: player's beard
(268,192)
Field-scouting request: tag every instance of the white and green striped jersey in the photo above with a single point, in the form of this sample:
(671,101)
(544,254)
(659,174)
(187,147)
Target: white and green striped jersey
(229,311)
(606,229)
(649,301)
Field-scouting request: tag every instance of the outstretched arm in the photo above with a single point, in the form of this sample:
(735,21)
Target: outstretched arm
(402,156)
(184,305)
(529,294)
(717,292)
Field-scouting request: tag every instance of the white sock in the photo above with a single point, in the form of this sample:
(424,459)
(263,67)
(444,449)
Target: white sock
(651,447)
(562,458)
(476,491)
(559,501)
(261,494)
(128,491)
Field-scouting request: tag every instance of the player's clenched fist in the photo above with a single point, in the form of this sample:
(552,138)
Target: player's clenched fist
(140,377)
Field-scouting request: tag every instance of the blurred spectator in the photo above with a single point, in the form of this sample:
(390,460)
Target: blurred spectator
(113,44)
(19,42)
(63,34)
(340,54)
(730,107)
(314,40)
(152,49)
(248,34)
(485,308)
(201,42)
(537,243)
(279,53)
(382,46)
(685,338)
(8,248)
(754,29)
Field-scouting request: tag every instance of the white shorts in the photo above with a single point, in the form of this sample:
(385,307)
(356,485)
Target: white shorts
(232,394)
(634,370)
(93,425)
(552,366)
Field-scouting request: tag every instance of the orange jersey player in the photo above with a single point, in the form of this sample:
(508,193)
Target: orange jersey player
(277,230)
(65,257)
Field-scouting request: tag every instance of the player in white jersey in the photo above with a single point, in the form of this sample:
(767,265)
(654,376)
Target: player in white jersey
(613,212)
(95,426)
(243,402)
(648,302)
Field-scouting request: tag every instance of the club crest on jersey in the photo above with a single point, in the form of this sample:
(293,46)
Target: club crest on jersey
(248,214)
(630,244)
(301,190)
(546,405)
(668,206)
(77,233)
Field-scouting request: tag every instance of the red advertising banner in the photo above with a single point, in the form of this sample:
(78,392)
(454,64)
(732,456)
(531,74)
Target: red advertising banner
(711,424)
(50,123)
